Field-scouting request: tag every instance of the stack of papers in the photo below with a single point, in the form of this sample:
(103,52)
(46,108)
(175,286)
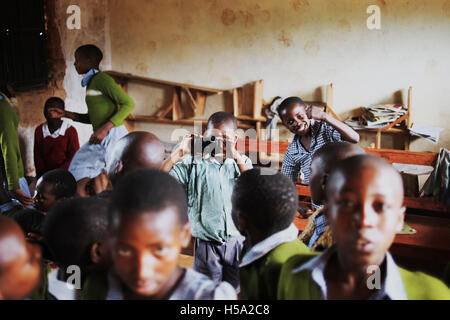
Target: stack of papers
(377,116)
(428,132)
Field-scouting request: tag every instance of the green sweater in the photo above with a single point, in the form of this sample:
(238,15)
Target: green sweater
(301,286)
(11,164)
(106,101)
(259,280)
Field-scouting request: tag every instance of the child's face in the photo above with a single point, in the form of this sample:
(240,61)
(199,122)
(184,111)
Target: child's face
(295,119)
(44,199)
(226,132)
(22,274)
(365,212)
(50,115)
(145,250)
(82,63)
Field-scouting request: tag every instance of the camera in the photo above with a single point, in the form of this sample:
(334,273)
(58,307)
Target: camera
(210,145)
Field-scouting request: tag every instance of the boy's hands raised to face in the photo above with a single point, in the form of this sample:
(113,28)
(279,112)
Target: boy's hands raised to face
(23,198)
(315,113)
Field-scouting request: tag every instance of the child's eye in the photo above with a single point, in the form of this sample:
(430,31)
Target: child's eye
(161,250)
(379,206)
(124,252)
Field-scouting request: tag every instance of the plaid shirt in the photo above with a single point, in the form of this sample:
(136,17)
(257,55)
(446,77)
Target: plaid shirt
(298,159)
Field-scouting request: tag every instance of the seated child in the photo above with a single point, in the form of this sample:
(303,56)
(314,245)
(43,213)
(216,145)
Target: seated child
(55,141)
(264,206)
(137,150)
(148,227)
(75,232)
(364,196)
(52,187)
(108,106)
(20,265)
(209,182)
(317,234)
(313,128)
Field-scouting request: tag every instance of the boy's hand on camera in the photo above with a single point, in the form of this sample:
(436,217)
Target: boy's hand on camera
(315,113)
(185,145)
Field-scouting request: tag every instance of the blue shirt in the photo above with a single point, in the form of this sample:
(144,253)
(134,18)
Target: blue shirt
(209,186)
(298,159)
(88,77)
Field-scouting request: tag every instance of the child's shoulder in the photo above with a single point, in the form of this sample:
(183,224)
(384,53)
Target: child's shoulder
(197,286)
(101,77)
(421,286)
(286,250)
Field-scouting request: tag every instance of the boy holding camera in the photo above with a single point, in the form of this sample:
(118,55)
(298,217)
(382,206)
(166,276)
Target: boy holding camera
(208,172)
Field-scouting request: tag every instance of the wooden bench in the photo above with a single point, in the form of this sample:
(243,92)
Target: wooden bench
(261,149)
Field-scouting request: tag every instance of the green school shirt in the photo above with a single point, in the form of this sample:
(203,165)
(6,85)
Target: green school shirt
(301,286)
(209,186)
(259,280)
(11,164)
(106,101)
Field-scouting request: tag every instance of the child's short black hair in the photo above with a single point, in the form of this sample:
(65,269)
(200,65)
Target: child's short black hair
(63,183)
(54,102)
(146,191)
(30,220)
(266,198)
(289,102)
(219,118)
(72,226)
(92,52)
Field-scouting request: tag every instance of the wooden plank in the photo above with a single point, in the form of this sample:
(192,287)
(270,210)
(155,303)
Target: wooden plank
(193,103)
(176,110)
(169,83)
(200,100)
(403,156)
(378,140)
(166,111)
(235,102)
(258,98)
(389,126)
(189,121)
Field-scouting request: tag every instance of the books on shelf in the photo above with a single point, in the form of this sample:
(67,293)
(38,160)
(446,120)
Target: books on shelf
(377,116)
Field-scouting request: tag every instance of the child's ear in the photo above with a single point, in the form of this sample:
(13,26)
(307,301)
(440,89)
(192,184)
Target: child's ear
(323,182)
(96,255)
(119,167)
(186,235)
(401,219)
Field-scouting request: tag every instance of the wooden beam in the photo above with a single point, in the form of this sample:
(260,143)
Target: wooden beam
(166,111)
(200,100)
(258,98)
(235,102)
(193,104)
(176,110)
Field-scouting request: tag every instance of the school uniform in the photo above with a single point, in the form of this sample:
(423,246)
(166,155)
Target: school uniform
(302,278)
(54,150)
(192,286)
(261,265)
(209,186)
(11,166)
(297,159)
(103,96)
(317,234)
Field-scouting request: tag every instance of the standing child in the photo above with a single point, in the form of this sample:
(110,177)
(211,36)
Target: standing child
(264,206)
(108,106)
(14,191)
(55,141)
(313,128)
(365,211)
(209,182)
(148,227)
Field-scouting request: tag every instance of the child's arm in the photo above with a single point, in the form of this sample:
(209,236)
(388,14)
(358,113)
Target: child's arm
(178,152)
(125,104)
(242,163)
(347,133)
